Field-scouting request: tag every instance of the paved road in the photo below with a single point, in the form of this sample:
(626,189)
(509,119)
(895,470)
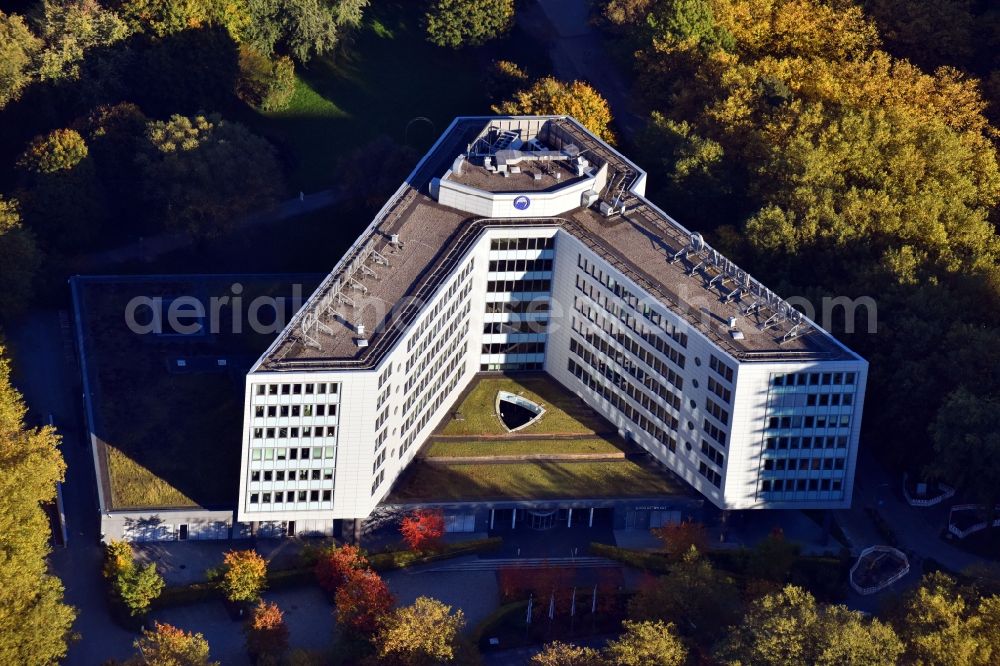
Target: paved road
(46,373)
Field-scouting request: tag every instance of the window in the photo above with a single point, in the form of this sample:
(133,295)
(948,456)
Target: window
(254,498)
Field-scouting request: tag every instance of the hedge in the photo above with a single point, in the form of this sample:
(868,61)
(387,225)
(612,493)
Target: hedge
(399,559)
(639,559)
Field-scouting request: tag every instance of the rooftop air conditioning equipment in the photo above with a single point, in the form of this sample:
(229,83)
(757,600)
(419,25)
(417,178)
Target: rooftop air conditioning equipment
(588,199)
(606,209)
(581,166)
(394,239)
(515,169)
(536,175)
(732,322)
(488,163)
(362,343)
(361,330)
(737,335)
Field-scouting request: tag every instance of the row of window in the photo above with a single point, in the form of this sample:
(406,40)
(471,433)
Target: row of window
(718,389)
(713,477)
(504,367)
(294,432)
(535,347)
(793,464)
(713,454)
(378,461)
(715,432)
(630,344)
(792,443)
(815,379)
(291,496)
(615,400)
(379,478)
(718,412)
(282,411)
(811,421)
(638,304)
(291,475)
(618,314)
(444,391)
(829,399)
(724,371)
(789,485)
(522,243)
(283,453)
(430,355)
(297,389)
(422,392)
(519,286)
(517,326)
(646,379)
(448,297)
(637,394)
(518,307)
(384,377)
(457,306)
(521,265)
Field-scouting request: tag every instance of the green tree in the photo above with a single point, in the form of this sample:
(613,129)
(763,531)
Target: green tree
(35,623)
(939,624)
(136,587)
(549,96)
(202,174)
(789,627)
(20,260)
(300,28)
(688,20)
(59,150)
(557,653)
(699,600)
(423,633)
(457,23)
(70,28)
(966,435)
(265,84)
(646,644)
(244,575)
(19,51)
(166,645)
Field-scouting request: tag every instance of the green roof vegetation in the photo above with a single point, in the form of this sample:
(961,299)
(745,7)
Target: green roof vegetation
(539,480)
(565,413)
(169,437)
(443,448)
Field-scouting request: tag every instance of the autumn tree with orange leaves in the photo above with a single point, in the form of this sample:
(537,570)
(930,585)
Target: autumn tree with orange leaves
(266,632)
(335,565)
(423,529)
(362,600)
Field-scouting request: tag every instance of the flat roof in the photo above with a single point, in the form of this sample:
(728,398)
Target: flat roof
(381,284)
(552,175)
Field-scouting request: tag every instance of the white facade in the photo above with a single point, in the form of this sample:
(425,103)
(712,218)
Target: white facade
(532,295)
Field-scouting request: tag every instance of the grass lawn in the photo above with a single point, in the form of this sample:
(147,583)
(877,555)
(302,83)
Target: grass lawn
(544,480)
(506,447)
(382,78)
(566,414)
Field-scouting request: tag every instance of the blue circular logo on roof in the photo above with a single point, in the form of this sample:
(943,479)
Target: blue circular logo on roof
(522,202)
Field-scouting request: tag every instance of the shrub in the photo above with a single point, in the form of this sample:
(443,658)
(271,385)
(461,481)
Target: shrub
(263,83)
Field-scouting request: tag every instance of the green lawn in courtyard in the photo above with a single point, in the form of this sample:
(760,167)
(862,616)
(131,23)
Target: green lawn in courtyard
(541,480)
(382,77)
(504,447)
(565,413)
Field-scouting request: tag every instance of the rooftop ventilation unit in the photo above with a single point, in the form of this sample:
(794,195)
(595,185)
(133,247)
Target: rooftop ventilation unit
(456,166)
(607,210)
(394,240)
(588,198)
(361,330)
(362,343)
(737,335)
(732,322)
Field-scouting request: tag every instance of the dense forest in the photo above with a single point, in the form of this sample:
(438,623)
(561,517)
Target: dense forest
(830,150)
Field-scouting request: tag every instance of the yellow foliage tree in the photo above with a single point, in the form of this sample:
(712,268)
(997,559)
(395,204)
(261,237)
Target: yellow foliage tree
(549,96)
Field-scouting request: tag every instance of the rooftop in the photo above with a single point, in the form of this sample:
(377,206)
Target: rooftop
(414,243)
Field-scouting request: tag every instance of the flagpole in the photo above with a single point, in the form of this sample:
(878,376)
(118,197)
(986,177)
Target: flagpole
(527,624)
(572,613)
(593,610)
